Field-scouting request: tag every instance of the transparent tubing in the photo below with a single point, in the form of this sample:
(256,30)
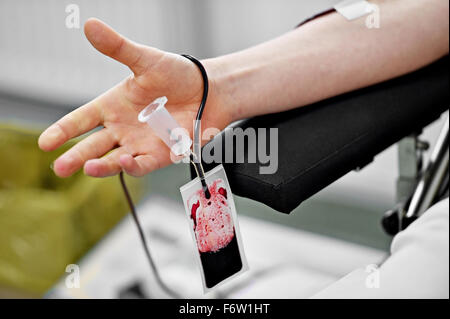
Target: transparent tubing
(172,134)
(166,127)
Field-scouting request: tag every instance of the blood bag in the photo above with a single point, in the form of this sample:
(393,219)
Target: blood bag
(214,228)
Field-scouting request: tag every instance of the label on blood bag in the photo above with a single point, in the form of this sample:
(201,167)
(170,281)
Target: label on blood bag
(214,228)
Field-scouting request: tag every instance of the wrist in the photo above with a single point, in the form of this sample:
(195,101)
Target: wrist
(220,82)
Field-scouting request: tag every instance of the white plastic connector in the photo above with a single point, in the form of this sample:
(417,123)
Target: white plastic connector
(166,127)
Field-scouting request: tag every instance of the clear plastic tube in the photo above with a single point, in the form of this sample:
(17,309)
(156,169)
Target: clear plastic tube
(166,127)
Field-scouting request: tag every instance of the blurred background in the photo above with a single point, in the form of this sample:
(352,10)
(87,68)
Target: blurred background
(47,223)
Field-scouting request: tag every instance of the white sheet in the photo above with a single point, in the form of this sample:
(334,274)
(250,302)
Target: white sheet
(417,268)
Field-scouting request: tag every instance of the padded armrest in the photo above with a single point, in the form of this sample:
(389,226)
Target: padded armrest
(319,143)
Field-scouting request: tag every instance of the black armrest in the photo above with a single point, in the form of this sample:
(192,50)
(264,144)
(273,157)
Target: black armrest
(322,142)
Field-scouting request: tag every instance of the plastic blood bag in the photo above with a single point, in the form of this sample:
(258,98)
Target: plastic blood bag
(214,228)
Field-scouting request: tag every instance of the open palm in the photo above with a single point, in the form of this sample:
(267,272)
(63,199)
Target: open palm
(135,148)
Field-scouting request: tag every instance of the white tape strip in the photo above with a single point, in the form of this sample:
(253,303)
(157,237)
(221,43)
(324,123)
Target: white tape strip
(353,9)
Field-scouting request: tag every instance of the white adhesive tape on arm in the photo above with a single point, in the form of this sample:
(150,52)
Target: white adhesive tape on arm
(353,9)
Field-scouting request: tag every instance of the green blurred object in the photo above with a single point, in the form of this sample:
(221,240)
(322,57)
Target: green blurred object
(46,222)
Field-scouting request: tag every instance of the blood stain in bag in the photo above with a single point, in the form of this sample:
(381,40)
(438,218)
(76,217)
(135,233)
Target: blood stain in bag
(222,191)
(213,225)
(194,211)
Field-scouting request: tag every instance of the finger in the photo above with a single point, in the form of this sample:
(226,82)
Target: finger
(93,146)
(114,45)
(139,165)
(80,121)
(105,166)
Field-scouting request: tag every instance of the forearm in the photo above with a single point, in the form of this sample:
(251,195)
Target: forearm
(329,56)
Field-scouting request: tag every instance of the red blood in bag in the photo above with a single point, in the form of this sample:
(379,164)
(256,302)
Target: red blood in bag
(223,192)
(214,227)
(194,211)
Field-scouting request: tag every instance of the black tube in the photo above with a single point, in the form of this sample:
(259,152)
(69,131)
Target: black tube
(196,160)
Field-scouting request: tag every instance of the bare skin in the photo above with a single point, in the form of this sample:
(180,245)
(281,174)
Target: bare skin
(324,58)
(136,149)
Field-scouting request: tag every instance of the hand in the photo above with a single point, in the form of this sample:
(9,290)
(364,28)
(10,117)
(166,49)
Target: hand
(135,148)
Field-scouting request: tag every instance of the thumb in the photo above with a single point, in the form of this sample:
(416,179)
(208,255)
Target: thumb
(109,42)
